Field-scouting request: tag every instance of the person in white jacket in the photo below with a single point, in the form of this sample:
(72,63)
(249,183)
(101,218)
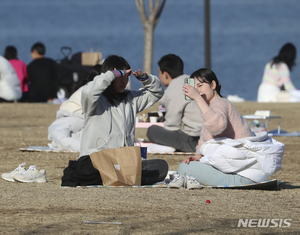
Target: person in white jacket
(66,130)
(10,89)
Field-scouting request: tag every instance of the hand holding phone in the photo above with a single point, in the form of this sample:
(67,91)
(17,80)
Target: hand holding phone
(190,81)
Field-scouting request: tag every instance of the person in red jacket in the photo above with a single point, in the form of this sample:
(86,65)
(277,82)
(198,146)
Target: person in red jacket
(11,54)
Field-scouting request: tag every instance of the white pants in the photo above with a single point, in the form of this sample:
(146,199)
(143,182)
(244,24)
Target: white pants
(271,93)
(267,93)
(65,133)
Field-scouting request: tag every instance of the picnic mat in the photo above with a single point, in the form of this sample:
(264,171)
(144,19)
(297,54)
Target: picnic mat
(45,149)
(266,185)
(283,133)
(270,184)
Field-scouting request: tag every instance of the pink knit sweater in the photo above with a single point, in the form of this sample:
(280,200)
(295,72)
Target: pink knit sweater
(21,70)
(222,120)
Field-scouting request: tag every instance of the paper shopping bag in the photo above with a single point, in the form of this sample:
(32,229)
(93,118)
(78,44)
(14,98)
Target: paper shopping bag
(119,166)
(91,58)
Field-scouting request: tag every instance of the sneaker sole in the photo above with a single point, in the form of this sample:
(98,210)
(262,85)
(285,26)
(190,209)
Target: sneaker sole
(38,180)
(10,180)
(194,188)
(174,187)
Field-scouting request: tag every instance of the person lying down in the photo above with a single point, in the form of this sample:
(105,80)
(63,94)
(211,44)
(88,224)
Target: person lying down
(66,130)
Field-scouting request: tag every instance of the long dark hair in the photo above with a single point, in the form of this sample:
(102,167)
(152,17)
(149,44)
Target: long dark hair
(10,53)
(110,63)
(207,76)
(287,54)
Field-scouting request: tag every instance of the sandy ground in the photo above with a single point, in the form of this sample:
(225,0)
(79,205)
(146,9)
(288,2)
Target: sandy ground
(46,208)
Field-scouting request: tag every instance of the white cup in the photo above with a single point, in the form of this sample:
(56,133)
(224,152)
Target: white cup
(153,119)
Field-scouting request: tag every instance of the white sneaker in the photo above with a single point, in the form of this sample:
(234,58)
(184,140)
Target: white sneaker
(10,176)
(32,175)
(192,183)
(177,182)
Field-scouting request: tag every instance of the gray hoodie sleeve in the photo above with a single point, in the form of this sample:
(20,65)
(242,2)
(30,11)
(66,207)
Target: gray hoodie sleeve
(93,90)
(152,91)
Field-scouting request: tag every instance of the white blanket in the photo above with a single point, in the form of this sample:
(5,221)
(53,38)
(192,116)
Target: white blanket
(255,157)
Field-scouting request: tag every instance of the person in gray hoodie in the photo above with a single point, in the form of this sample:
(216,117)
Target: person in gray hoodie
(109,120)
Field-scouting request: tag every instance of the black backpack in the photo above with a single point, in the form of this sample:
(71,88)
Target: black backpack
(70,71)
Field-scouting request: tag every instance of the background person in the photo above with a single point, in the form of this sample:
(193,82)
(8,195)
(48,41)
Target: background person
(183,121)
(11,54)
(42,75)
(276,85)
(65,132)
(10,89)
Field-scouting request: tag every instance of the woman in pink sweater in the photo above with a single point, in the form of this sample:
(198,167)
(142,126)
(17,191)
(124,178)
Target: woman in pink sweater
(20,67)
(220,119)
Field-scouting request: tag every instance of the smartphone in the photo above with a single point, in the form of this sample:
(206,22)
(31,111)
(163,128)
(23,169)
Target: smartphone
(190,81)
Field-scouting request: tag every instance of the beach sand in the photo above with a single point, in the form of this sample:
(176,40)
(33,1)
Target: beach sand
(46,208)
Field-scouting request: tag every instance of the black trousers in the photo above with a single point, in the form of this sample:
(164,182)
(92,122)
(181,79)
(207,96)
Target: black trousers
(83,173)
(177,139)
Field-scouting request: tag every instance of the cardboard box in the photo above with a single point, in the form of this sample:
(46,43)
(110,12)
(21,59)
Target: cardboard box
(91,58)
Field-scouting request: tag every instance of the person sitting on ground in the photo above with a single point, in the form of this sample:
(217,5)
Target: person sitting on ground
(228,152)
(183,120)
(42,75)
(11,54)
(276,85)
(65,132)
(10,89)
(110,112)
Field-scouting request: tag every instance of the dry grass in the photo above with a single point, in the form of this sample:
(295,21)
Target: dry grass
(49,209)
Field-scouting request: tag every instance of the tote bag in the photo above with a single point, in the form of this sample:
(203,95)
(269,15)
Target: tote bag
(119,166)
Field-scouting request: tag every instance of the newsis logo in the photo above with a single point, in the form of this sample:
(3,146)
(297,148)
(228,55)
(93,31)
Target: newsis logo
(264,223)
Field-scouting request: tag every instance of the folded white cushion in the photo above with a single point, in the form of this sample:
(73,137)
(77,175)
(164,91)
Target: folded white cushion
(157,148)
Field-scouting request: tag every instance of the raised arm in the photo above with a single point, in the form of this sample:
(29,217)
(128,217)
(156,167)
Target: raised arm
(151,92)
(94,89)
